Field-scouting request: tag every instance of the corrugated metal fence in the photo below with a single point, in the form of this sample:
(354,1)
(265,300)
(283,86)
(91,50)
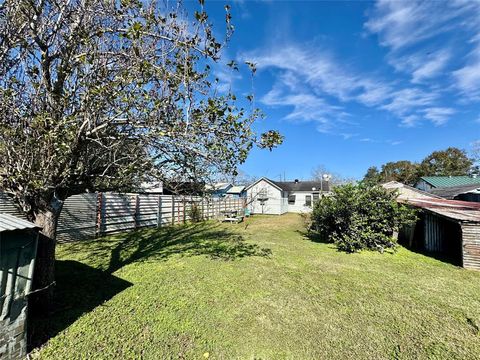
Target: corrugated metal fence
(89,215)
(8,207)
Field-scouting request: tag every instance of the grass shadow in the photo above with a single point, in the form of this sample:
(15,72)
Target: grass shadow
(440,256)
(313,236)
(206,238)
(79,289)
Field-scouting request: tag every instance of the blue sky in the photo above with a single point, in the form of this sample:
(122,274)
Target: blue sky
(356,84)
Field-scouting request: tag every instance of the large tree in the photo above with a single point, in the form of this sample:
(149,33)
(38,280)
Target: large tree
(335,178)
(452,161)
(372,176)
(99,94)
(403,171)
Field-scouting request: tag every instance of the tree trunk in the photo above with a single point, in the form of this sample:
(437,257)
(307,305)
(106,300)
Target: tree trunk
(44,276)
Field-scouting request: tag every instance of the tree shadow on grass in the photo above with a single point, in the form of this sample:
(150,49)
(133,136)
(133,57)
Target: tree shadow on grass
(313,236)
(79,289)
(208,239)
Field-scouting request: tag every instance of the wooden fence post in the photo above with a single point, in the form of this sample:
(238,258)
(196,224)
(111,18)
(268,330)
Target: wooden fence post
(173,210)
(136,211)
(184,212)
(178,214)
(159,211)
(98,223)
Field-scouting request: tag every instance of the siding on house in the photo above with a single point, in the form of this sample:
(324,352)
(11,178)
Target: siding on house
(300,201)
(423,185)
(279,192)
(275,203)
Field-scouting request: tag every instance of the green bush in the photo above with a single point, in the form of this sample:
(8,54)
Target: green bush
(357,217)
(195,213)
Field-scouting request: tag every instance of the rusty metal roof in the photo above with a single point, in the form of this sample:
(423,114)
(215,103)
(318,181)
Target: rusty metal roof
(10,222)
(453,209)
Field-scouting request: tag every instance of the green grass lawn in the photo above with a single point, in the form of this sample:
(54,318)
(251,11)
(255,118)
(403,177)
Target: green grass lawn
(221,291)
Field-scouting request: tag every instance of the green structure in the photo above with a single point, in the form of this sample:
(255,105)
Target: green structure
(434,182)
(18,247)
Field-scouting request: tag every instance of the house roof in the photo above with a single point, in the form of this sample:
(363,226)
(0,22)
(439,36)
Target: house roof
(295,186)
(406,192)
(9,222)
(448,181)
(303,185)
(452,191)
(218,186)
(263,179)
(236,189)
(452,209)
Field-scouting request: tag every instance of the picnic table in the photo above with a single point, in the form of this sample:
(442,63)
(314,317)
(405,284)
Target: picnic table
(231,216)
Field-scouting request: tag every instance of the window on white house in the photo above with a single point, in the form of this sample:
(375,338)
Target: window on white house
(291,199)
(316,197)
(308,200)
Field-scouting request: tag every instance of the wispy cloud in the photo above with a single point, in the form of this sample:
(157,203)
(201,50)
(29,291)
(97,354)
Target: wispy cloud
(400,24)
(306,107)
(406,100)
(432,67)
(438,115)
(318,87)
(320,70)
(420,35)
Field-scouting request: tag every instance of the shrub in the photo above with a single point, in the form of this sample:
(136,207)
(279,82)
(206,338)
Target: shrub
(194,213)
(357,217)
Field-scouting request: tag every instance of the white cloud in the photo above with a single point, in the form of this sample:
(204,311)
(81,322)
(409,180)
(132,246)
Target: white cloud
(432,67)
(317,86)
(406,100)
(347,136)
(438,115)
(306,107)
(468,79)
(400,24)
(410,120)
(419,35)
(322,72)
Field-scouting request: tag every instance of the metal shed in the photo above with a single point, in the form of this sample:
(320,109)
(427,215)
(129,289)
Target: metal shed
(18,247)
(448,227)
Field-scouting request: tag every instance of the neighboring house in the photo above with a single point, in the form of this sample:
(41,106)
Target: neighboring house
(426,183)
(237,192)
(465,192)
(406,192)
(218,190)
(266,196)
(184,188)
(151,188)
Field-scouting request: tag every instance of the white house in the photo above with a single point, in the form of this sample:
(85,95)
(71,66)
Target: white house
(266,196)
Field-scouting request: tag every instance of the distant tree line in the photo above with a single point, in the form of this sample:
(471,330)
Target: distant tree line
(449,162)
